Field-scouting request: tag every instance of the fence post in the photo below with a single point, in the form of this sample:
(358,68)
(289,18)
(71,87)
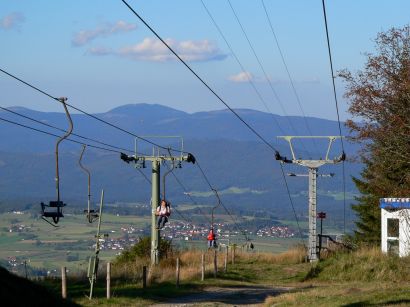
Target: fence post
(64,282)
(144,277)
(226,260)
(202,267)
(215,263)
(108,280)
(233,253)
(177,273)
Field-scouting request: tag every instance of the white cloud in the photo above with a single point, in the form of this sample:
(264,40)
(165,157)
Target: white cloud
(12,21)
(85,36)
(151,49)
(243,76)
(99,51)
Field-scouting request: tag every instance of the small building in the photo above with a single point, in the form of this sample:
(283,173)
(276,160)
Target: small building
(395,225)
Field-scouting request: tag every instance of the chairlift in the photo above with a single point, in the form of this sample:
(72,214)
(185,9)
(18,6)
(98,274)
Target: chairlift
(54,209)
(164,198)
(91,214)
(213,244)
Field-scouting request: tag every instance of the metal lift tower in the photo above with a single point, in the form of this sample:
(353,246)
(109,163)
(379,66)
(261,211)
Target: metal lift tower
(156,158)
(313,166)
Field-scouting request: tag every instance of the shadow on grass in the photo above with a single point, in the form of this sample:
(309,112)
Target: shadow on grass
(387,303)
(18,291)
(313,272)
(80,288)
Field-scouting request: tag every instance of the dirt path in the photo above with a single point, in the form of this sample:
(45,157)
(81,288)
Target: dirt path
(225,296)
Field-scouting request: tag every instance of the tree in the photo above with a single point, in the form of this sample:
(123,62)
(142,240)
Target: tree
(379,102)
(142,249)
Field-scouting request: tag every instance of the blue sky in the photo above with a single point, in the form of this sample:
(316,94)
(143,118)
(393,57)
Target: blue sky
(100,56)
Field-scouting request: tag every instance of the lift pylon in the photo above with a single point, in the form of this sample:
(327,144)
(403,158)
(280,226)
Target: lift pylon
(313,166)
(156,158)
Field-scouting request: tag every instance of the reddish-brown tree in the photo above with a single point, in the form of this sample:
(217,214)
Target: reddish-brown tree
(379,98)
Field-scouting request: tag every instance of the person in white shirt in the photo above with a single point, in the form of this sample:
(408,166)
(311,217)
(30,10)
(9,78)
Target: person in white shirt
(163,211)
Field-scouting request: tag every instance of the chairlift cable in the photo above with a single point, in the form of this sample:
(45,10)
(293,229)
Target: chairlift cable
(293,207)
(250,81)
(288,73)
(190,197)
(176,210)
(199,78)
(89,114)
(55,135)
(337,111)
(217,195)
(57,128)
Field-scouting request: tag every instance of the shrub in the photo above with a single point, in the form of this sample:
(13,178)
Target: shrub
(142,250)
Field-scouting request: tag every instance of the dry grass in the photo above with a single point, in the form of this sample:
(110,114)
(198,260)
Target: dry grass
(190,264)
(293,256)
(344,294)
(190,267)
(365,264)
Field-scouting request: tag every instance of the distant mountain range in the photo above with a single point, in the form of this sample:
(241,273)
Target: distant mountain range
(235,160)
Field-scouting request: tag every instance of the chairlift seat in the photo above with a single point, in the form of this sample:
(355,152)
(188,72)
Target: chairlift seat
(91,213)
(55,204)
(55,215)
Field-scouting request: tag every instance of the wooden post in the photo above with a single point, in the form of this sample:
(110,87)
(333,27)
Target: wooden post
(233,253)
(215,263)
(226,260)
(144,277)
(108,280)
(64,282)
(177,273)
(202,267)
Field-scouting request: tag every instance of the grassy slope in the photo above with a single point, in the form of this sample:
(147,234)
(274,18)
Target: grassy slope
(17,291)
(362,278)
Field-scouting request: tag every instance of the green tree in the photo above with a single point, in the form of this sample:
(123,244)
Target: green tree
(379,102)
(142,249)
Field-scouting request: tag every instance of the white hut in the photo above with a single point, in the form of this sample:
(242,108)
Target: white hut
(395,225)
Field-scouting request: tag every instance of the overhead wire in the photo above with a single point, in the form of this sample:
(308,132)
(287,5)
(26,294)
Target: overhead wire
(204,83)
(60,129)
(86,113)
(190,196)
(287,71)
(258,59)
(198,77)
(55,135)
(89,114)
(174,209)
(337,112)
(291,201)
(264,71)
(223,206)
(250,81)
(256,90)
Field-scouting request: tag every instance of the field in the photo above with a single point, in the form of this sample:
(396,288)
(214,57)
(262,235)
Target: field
(44,246)
(25,237)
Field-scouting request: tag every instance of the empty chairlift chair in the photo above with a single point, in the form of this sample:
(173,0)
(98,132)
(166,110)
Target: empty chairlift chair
(54,209)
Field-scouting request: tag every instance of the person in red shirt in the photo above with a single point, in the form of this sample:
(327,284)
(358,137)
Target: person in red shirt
(211,239)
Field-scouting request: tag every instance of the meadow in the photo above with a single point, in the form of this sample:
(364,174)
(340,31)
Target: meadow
(45,247)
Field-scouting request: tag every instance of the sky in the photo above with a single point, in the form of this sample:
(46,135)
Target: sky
(100,56)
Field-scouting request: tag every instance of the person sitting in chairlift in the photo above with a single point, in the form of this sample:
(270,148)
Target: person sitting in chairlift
(211,239)
(163,211)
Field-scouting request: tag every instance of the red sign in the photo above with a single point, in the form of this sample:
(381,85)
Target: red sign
(321,215)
